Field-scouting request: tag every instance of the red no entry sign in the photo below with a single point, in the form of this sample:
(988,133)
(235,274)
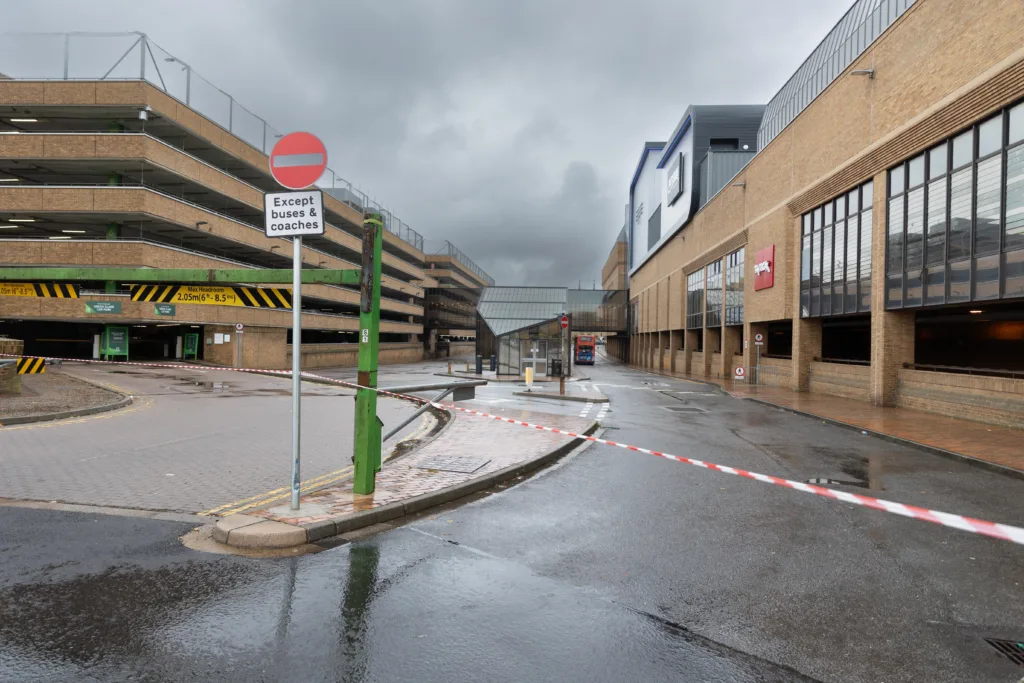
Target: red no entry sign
(564,321)
(298,160)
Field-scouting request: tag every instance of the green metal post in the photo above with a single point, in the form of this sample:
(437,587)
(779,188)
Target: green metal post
(367,447)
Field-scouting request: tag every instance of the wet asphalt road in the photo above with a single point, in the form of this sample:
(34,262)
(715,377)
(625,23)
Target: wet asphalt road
(131,604)
(607,567)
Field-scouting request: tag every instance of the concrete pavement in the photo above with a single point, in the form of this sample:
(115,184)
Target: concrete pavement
(193,440)
(473,453)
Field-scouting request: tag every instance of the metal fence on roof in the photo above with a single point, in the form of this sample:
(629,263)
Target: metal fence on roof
(865,21)
(451,250)
(539,295)
(80,56)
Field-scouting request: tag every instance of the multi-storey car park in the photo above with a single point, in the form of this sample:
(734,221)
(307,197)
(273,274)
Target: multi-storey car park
(148,165)
(451,304)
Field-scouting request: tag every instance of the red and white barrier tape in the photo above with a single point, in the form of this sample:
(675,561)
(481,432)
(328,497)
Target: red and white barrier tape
(1003,532)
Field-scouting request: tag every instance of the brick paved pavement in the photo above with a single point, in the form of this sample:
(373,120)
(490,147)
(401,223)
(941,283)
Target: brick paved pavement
(990,443)
(468,436)
(192,440)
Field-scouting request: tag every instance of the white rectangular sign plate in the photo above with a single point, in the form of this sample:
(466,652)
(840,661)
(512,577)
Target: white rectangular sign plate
(287,214)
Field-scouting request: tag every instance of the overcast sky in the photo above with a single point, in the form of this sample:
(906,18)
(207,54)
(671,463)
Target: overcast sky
(510,128)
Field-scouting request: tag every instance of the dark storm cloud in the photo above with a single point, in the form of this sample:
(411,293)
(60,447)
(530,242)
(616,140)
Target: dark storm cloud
(509,128)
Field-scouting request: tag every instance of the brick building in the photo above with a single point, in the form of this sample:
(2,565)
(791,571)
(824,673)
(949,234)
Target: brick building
(450,326)
(875,240)
(149,165)
(613,275)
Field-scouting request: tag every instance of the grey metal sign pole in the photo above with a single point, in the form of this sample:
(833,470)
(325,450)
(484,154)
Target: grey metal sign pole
(296,162)
(296,365)
(757,373)
(294,214)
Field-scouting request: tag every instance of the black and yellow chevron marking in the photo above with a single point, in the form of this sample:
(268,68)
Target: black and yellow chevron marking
(49,290)
(56,290)
(31,366)
(155,293)
(249,297)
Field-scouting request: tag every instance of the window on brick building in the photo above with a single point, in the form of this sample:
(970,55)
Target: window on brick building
(956,218)
(695,300)
(779,339)
(734,287)
(846,339)
(835,259)
(713,314)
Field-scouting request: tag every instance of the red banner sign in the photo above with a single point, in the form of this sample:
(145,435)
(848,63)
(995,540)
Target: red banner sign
(764,268)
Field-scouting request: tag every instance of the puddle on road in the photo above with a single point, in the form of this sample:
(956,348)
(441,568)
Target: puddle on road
(858,469)
(852,468)
(211,386)
(197,386)
(273,392)
(755,419)
(866,472)
(148,375)
(229,390)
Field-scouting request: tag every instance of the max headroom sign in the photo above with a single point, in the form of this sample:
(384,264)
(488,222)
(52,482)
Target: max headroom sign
(764,268)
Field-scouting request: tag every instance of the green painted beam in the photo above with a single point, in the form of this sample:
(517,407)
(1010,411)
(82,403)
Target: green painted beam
(283,276)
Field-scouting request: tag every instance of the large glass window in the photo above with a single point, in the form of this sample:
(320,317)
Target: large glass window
(835,259)
(1016,124)
(864,285)
(956,237)
(839,263)
(805,267)
(938,161)
(734,288)
(935,252)
(935,240)
(850,297)
(989,195)
(1014,235)
(915,171)
(894,254)
(915,246)
(961,187)
(990,136)
(963,149)
(695,300)
(915,229)
(816,263)
(714,296)
(826,268)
